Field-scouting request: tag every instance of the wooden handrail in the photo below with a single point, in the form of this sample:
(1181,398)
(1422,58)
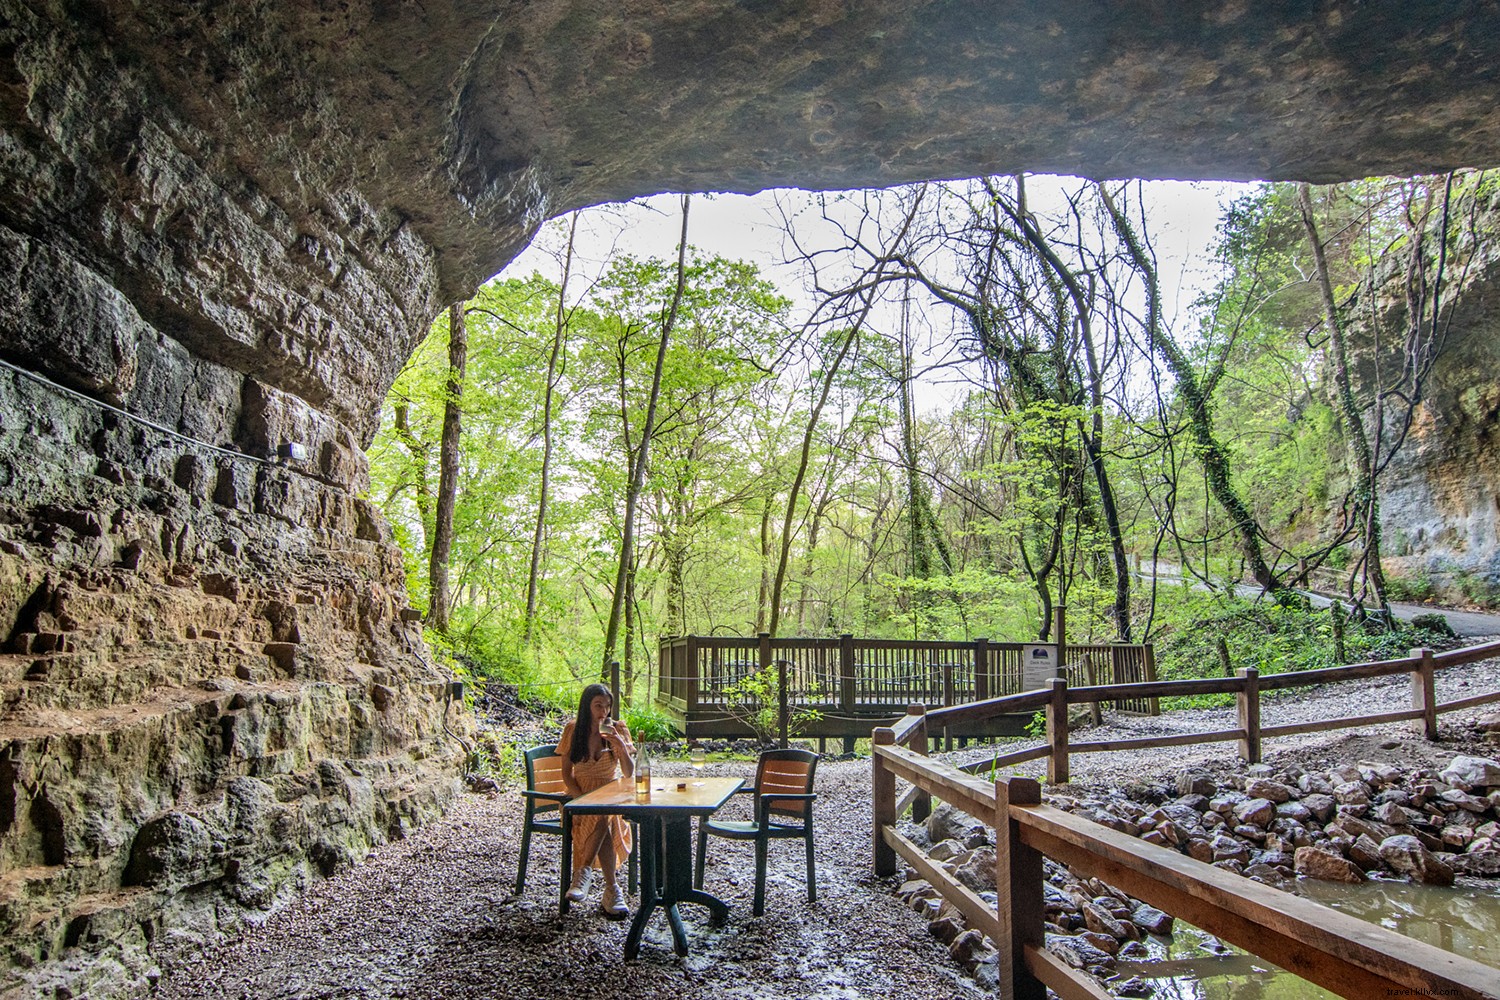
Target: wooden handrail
(1468,654)
(989,708)
(1339,952)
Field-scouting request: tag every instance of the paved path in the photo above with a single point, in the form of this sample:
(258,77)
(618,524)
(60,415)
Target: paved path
(1466,624)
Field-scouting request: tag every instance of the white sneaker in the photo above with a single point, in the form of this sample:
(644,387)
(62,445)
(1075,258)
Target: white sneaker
(579,888)
(610,905)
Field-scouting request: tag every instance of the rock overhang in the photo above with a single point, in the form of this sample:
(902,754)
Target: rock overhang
(295,190)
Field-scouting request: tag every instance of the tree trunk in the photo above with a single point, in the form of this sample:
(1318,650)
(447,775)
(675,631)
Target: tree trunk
(870,292)
(763,600)
(638,466)
(1366,490)
(559,329)
(442,535)
(1210,452)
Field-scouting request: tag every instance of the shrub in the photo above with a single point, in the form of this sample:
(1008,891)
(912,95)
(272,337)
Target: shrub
(650,724)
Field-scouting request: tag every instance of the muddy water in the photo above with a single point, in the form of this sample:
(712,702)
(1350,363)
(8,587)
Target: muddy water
(1195,966)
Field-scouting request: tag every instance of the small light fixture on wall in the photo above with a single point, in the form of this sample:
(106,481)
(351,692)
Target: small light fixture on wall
(292,451)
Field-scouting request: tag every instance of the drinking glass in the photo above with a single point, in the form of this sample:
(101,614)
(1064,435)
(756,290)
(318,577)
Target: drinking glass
(698,758)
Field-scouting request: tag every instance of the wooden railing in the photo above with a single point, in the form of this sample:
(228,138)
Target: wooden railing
(880,677)
(1341,953)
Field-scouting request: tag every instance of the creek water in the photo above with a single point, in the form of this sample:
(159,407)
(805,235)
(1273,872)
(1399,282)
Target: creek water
(1192,965)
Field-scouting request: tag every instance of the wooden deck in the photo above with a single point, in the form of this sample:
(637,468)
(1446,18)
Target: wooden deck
(858,684)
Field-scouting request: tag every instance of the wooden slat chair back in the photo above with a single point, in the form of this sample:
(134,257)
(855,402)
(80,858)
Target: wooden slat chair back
(545,795)
(783,790)
(785,777)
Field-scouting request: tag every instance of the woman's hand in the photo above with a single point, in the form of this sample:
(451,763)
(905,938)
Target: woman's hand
(619,741)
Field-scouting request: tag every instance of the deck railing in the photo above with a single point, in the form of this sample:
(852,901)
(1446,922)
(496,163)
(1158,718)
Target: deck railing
(1349,956)
(880,677)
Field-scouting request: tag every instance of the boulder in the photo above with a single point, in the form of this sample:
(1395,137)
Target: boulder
(978,871)
(1319,864)
(1322,805)
(1405,855)
(1482,864)
(1078,953)
(1314,784)
(948,822)
(1225,802)
(946,929)
(1464,800)
(1227,848)
(1265,788)
(1366,853)
(172,849)
(1473,772)
(1352,793)
(1099,920)
(1151,920)
(1257,811)
(1457,837)
(1270,875)
(970,947)
(945,850)
(1294,810)
(1195,783)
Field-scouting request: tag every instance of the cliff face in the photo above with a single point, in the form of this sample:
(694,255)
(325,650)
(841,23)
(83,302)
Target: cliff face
(1440,497)
(231,223)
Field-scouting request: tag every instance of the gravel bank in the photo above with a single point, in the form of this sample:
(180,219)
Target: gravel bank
(434,916)
(1350,699)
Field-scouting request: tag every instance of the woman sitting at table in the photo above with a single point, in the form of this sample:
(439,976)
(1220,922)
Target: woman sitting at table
(596,750)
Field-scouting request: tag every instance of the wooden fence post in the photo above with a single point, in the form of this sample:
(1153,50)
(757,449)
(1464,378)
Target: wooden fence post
(981,669)
(883,799)
(689,674)
(1057,732)
(614,686)
(947,700)
(783,719)
(1018,885)
(1148,651)
(1248,703)
(848,690)
(921,806)
(1423,696)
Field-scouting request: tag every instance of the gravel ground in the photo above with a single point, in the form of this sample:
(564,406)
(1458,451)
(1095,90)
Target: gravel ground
(434,915)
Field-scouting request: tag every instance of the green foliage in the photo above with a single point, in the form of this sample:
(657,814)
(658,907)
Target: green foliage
(1273,638)
(1037,727)
(1410,589)
(649,724)
(756,702)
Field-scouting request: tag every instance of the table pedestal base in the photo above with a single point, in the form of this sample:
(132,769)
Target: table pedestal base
(666,853)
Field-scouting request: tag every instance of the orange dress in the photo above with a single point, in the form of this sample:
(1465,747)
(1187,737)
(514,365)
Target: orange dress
(592,774)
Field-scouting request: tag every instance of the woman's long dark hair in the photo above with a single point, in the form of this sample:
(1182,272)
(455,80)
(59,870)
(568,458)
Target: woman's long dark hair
(579,751)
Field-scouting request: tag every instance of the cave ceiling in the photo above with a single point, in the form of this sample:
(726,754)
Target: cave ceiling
(477,120)
(292,190)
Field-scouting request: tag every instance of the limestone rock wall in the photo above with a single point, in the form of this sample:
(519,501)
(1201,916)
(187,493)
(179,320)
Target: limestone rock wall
(210,693)
(211,690)
(1440,497)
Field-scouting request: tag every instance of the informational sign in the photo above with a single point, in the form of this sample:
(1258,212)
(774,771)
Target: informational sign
(1038,666)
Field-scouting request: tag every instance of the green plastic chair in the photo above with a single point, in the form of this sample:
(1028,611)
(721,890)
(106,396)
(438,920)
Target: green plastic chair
(783,791)
(545,795)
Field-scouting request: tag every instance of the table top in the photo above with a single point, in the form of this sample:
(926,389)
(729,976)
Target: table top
(701,797)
